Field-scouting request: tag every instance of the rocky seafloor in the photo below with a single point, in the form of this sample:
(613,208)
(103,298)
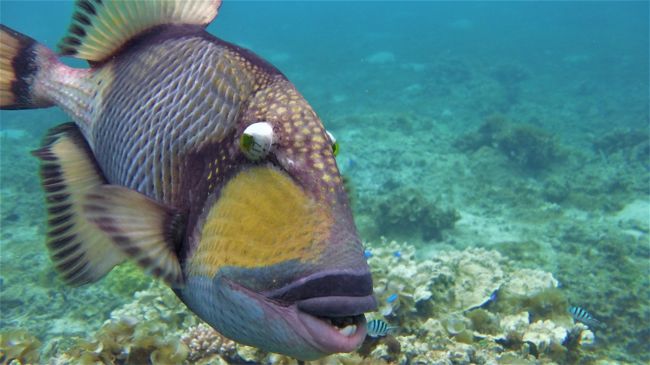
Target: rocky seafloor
(446,312)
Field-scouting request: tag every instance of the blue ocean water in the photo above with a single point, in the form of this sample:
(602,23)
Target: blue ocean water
(527,120)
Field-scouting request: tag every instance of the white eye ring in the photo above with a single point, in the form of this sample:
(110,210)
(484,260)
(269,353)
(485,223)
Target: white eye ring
(256,141)
(332,138)
(335,145)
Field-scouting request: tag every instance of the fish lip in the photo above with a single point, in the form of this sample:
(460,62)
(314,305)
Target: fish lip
(326,338)
(337,306)
(329,294)
(343,283)
(322,336)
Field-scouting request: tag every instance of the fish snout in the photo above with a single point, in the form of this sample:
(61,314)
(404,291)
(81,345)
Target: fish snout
(330,305)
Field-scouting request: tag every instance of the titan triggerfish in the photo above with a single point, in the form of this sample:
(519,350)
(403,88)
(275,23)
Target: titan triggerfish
(202,163)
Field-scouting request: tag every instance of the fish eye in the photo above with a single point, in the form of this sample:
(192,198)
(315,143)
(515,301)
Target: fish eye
(335,144)
(256,141)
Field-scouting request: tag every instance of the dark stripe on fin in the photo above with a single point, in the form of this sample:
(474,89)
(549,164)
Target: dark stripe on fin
(57,243)
(87,6)
(80,251)
(19,65)
(146,231)
(100,28)
(59,229)
(66,252)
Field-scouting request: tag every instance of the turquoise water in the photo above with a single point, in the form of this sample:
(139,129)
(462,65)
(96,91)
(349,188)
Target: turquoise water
(516,127)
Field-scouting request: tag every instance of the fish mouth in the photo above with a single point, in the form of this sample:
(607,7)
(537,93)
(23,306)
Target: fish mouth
(344,332)
(334,334)
(330,307)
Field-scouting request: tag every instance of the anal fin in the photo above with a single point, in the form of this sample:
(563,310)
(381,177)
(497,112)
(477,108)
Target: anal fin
(143,229)
(80,251)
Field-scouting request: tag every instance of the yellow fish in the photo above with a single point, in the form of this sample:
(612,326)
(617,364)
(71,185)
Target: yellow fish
(202,163)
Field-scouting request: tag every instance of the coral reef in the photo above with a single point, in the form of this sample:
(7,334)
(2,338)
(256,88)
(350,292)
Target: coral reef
(448,310)
(203,341)
(452,282)
(633,141)
(527,146)
(445,312)
(17,346)
(408,213)
(145,331)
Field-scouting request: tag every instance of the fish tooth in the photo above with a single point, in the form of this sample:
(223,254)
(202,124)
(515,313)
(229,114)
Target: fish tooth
(348,330)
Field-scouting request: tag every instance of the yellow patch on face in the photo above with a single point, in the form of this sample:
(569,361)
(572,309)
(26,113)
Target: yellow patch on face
(262,218)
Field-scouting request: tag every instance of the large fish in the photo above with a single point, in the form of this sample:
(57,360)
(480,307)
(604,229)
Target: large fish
(200,162)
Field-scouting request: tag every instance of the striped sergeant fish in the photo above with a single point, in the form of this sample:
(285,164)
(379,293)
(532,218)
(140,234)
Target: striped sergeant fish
(202,163)
(378,328)
(581,315)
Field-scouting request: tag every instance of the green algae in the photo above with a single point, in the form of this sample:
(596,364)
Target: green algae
(528,253)
(626,140)
(409,213)
(550,303)
(465,336)
(483,321)
(526,145)
(126,279)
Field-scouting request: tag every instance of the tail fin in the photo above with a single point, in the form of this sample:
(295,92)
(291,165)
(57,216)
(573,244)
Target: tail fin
(20,60)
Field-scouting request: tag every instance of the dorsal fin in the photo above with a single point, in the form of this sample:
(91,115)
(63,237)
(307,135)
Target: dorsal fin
(100,27)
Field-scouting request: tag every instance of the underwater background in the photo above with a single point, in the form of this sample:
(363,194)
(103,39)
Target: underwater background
(498,155)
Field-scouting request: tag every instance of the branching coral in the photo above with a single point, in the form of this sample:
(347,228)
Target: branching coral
(203,341)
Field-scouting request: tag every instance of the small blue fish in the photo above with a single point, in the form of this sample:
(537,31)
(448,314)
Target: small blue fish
(581,315)
(391,298)
(397,254)
(493,296)
(367,254)
(378,328)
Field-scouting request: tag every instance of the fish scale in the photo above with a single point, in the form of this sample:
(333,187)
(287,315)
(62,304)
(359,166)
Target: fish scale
(125,129)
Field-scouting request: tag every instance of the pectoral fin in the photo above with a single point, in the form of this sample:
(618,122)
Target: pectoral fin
(143,229)
(80,251)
